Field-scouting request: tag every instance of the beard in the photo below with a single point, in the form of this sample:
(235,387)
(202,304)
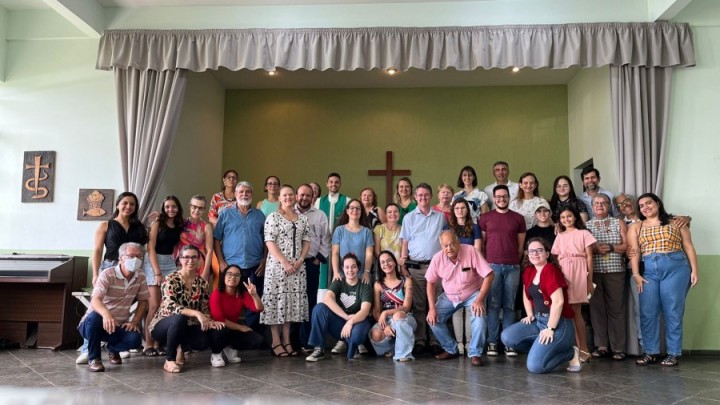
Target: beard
(245,201)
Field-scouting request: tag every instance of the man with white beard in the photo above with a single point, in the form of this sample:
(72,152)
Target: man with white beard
(239,240)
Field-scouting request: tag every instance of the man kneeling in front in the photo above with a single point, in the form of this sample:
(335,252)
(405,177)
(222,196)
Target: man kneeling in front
(466,279)
(108,318)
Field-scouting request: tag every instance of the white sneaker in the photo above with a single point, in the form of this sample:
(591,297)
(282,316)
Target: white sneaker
(362,349)
(82,358)
(340,347)
(231,355)
(124,355)
(461,348)
(216,360)
(492,349)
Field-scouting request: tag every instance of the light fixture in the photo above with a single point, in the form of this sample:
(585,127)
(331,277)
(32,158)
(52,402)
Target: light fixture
(391,71)
(515,69)
(272,72)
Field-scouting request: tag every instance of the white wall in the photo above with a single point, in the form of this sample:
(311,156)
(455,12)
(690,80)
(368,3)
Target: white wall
(54,99)
(590,125)
(693,148)
(196,155)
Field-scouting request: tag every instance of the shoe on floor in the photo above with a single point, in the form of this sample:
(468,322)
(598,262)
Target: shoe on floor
(476,361)
(316,355)
(435,349)
(510,352)
(492,349)
(216,360)
(362,349)
(446,356)
(82,358)
(115,358)
(96,366)
(124,355)
(418,348)
(231,355)
(340,347)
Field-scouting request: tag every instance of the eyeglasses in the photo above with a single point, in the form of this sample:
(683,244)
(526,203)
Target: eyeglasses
(193,257)
(230,178)
(133,256)
(501,197)
(197,207)
(354,208)
(624,203)
(535,251)
(233,275)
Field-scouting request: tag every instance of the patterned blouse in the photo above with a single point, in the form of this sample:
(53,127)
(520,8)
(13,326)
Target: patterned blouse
(660,238)
(218,202)
(175,298)
(607,230)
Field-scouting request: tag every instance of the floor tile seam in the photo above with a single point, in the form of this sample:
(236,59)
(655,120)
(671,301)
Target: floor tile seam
(33,370)
(699,396)
(364,390)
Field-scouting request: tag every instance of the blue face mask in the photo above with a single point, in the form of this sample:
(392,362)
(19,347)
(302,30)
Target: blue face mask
(133,264)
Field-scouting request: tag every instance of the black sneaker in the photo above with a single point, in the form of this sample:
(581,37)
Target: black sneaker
(492,349)
(316,355)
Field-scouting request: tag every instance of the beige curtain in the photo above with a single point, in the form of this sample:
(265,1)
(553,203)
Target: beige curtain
(149,105)
(347,49)
(640,99)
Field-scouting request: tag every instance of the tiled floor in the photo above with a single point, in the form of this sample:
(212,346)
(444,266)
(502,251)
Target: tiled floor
(46,377)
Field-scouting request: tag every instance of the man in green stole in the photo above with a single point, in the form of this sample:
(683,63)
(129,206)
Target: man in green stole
(332,205)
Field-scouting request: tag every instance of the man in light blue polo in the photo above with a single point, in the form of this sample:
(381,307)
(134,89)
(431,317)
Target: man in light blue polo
(239,240)
(420,237)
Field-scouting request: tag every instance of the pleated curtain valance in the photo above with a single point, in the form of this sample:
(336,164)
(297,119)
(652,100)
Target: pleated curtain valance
(345,49)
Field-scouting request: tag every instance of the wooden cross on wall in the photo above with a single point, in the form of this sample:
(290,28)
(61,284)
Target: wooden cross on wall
(389,174)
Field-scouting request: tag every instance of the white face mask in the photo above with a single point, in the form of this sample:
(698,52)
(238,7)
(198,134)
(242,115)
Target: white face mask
(133,264)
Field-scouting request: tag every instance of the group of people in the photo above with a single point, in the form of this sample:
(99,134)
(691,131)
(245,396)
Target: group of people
(314,266)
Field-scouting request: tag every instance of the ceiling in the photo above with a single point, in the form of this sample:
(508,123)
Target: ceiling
(377,78)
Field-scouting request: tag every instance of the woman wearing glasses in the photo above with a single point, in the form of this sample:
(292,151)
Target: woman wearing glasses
(159,260)
(271,203)
(547,333)
(183,319)
(198,233)
(227,303)
(218,202)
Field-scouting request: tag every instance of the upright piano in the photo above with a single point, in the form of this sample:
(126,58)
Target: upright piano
(37,308)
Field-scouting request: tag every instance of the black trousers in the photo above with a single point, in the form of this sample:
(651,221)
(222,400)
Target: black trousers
(238,340)
(174,330)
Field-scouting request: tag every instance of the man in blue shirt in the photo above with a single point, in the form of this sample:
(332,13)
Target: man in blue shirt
(420,235)
(240,240)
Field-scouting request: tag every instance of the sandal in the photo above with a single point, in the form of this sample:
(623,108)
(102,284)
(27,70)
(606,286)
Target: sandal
(577,367)
(670,361)
(171,368)
(180,358)
(161,351)
(585,356)
(646,360)
(150,352)
(600,353)
(283,353)
(291,352)
(619,356)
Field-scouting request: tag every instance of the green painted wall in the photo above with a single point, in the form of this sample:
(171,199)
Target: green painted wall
(701,330)
(302,135)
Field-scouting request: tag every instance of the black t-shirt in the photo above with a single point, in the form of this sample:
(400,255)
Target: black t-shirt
(547,233)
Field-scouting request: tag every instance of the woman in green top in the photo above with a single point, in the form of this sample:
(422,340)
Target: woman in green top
(404,197)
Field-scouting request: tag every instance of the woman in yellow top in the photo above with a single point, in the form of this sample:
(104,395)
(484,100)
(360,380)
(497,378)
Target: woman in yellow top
(670,270)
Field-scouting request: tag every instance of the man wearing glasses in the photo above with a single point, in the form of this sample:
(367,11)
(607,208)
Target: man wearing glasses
(108,317)
(503,239)
(239,240)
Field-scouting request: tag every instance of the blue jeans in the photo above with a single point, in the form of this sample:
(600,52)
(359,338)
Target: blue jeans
(402,343)
(325,321)
(542,358)
(91,328)
(444,309)
(668,276)
(502,296)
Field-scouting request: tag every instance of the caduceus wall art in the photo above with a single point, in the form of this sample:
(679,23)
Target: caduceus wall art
(38,176)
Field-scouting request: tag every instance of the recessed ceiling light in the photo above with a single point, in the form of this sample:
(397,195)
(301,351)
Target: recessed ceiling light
(515,69)
(272,72)
(391,71)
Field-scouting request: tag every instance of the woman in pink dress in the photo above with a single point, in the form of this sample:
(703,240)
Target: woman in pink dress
(573,246)
(198,233)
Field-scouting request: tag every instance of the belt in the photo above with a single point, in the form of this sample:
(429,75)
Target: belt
(421,261)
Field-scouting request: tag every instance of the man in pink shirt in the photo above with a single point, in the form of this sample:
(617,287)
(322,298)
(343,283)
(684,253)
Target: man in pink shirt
(466,278)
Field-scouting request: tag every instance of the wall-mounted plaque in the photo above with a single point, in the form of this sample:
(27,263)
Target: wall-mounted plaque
(38,176)
(95,204)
